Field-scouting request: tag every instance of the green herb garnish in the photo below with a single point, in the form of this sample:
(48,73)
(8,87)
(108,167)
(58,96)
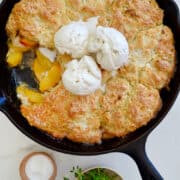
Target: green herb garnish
(94,174)
(65,178)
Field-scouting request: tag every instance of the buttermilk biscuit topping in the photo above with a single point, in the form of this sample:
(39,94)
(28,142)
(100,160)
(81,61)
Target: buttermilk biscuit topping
(129,97)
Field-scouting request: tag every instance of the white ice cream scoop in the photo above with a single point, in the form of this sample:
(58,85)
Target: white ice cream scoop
(110,46)
(82,77)
(73,38)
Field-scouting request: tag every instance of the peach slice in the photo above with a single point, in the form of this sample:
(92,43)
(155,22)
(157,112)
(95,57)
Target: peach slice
(51,78)
(46,72)
(14,57)
(43,60)
(18,48)
(27,42)
(31,94)
(41,65)
(39,70)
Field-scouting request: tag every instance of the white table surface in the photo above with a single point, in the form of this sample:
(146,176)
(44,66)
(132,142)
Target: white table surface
(163,148)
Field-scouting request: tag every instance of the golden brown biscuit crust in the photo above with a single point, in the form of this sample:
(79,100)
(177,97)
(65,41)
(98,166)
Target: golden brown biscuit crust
(131,98)
(38,20)
(66,115)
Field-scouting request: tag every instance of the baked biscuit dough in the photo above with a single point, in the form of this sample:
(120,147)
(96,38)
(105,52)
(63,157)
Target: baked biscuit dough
(132,97)
(38,20)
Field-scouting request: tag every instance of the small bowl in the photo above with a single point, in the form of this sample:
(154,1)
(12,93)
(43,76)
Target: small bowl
(25,160)
(109,171)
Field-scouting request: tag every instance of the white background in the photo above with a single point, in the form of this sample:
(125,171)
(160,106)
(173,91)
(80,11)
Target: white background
(163,148)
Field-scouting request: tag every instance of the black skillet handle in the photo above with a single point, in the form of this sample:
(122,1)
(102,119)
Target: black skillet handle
(137,151)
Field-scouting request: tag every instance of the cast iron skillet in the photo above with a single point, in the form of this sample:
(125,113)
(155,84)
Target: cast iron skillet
(133,144)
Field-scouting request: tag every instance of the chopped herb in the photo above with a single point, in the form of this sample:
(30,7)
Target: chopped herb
(65,178)
(94,174)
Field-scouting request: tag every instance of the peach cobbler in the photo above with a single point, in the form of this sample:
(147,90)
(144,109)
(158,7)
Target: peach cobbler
(100,65)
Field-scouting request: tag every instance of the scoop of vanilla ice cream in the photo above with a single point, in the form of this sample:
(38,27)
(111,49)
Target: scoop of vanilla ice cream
(73,38)
(110,46)
(82,77)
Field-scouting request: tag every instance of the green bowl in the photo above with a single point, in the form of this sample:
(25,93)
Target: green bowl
(109,171)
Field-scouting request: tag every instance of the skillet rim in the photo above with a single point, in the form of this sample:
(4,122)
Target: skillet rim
(144,131)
